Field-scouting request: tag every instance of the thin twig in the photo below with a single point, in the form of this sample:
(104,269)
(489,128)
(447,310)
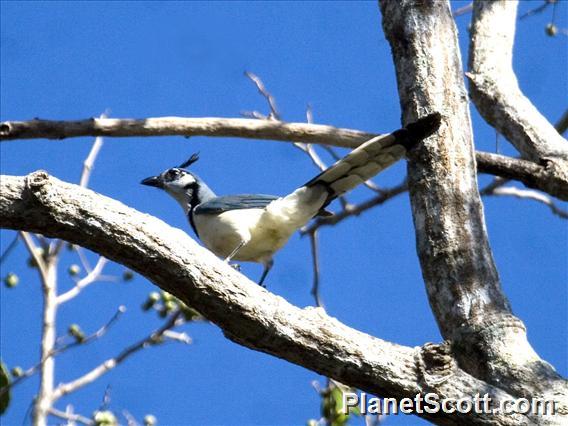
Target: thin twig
(44,244)
(48,278)
(178,337)
(130,420)
(71,417)
(34,251)
(530,195)
(538,9)
(90,278)
(463,10)
(254,114)
(89,162)
(96,335)
(274,114)
(83,258)
(308,149)
(69,410)
(152,339)
(55,247)
(495,183)
(356,210)
(10,247)
(57,351)
(315,262)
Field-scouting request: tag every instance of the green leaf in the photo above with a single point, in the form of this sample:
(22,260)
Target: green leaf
(4,381)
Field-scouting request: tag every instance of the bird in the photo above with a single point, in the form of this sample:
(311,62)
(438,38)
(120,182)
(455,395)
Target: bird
(253,227)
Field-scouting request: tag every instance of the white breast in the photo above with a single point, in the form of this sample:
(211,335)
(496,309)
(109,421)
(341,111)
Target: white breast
(264,230)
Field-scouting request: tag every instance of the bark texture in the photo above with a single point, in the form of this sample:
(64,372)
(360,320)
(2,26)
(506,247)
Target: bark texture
(495,90)
(457,264)
(485,349)
(547,177)
(181,126)
(247,313)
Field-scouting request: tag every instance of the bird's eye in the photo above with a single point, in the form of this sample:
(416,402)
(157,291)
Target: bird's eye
(172,174)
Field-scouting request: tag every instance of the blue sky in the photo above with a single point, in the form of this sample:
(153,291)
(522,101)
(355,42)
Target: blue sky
(64,60)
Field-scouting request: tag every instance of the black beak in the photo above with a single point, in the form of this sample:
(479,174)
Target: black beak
(153,181)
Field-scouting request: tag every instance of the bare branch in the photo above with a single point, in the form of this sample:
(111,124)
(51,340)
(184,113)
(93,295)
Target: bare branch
(218,127)
(355,210)
(89,162)
(10,247)
(71,417)
(172,126)
(177,337)
(457,263)
(547,178)
(530,195)
(34,252)
(245,312)
(59,350)
(309,150)
(315,262)
(83,258)
(96,335)
(539,9)
(494,88)
(152,339)
(274,114)
(463,10)
(90,278)
(48,276)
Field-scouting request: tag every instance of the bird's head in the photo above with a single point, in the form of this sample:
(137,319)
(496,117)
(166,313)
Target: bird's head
(186,187)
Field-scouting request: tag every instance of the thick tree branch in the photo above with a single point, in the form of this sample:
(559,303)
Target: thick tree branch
(495,90)
(457,264)
(456,259)
(546,178)
(179,126)
(247,313)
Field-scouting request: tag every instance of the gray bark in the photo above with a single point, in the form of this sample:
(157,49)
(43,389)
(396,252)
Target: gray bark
(547,178)
(457,264)
(495,90)
(247,313)
(485,350)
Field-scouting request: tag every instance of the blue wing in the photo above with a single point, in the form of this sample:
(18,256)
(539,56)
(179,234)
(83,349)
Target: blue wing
(235,202)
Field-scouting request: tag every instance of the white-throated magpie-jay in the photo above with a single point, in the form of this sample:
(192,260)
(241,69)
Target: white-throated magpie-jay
(252,227)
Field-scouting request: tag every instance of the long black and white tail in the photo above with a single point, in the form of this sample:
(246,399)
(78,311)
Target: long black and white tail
(373,156)
(360,165)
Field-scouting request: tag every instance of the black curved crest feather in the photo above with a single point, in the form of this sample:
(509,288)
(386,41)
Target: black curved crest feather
(189,161)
